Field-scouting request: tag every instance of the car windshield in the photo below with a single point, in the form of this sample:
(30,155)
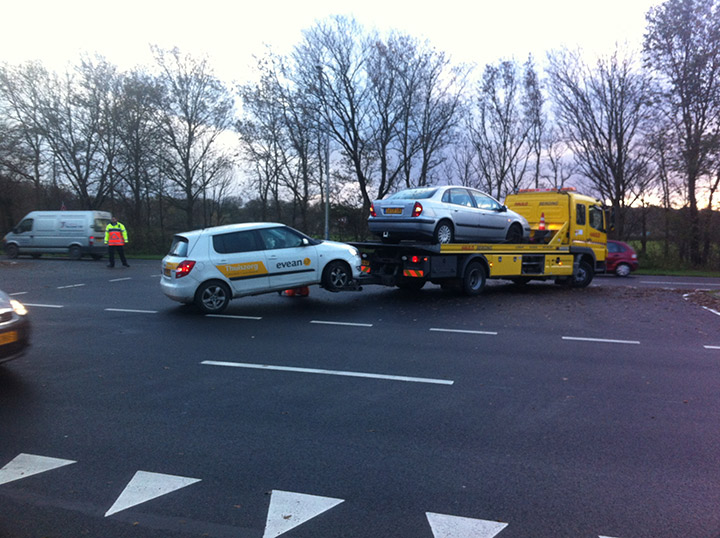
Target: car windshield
(413,194)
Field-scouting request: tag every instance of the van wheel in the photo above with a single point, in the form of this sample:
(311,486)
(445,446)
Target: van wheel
(11,251)
(473,280)
(336,276)
(212,297)
(75,252)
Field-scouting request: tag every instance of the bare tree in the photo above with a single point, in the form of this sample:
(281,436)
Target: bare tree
(197,109)
(682,44)
(501,130)
(604,114)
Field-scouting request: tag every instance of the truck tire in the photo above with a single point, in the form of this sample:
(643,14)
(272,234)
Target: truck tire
(583,275)
(212,297)
(473,280)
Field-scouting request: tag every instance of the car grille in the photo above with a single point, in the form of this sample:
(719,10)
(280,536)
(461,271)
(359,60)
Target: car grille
(5,315)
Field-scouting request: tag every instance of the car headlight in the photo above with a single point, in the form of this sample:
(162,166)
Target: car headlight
(18,307)
(354,251)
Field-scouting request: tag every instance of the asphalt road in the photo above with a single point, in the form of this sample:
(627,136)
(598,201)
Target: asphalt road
(535,411)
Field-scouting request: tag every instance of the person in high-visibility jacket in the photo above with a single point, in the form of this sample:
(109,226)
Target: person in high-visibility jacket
(116,238)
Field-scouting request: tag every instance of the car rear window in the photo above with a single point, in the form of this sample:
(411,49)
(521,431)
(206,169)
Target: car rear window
(100,224)
(179,247)
(413,194)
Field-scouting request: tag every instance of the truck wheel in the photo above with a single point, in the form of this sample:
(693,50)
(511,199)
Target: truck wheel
(583,275)
(622,270)
(75,252)
(336,276)
(514,234)
(11,251)
(473,280)
(212,297)
(444,233)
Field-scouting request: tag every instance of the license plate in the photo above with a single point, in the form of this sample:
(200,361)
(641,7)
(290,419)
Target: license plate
(393,210)
(167,271)
(8,337)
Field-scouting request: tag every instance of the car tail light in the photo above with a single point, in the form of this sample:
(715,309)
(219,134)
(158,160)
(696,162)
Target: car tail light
(184,268)
(91,240)
(417,209)
(372,210)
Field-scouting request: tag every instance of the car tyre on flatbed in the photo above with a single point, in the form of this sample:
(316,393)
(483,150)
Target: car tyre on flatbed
(336,276)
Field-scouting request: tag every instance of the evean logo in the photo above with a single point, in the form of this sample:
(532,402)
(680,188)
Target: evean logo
(291,263)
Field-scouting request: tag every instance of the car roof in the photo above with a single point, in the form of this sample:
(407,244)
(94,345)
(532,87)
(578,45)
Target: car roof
(227,228)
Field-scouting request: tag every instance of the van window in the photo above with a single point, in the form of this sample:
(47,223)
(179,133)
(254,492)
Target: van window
(179,247)
(100,225)
(235,242)
(25,226)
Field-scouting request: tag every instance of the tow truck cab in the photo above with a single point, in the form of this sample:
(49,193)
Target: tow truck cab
(550,211)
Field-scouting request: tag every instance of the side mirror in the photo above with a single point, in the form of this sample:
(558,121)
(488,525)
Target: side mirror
(503,209)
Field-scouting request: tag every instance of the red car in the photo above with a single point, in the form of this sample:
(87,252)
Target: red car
(621,258)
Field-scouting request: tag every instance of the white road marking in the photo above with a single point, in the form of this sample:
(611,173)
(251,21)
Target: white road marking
(462,331)
(120,279)
(342,323)
(329,372)
(673,283)
(17,293)
(602,340)
(70,286)
(445,526)
(712,347)
(288,510)
(231,317)
(145,486)
(25,465)
(131,311)
(44,305)
(711,310)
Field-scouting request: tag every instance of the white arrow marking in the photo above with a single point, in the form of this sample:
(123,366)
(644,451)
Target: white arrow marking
(145,486)
(288,510)
(25,465)
(444,526)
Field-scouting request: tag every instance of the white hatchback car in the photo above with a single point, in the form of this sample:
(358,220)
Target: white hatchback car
(209,267)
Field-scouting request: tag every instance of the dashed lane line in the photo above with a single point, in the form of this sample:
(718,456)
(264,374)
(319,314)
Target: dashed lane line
(712,347)
(343,323)
(44,305)
(70,286)
(120,279)
(329,372)
(600,340)
(711,310)
(17,293)
(463,331)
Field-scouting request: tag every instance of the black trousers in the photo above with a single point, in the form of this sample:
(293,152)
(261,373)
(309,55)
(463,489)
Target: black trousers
(121,252)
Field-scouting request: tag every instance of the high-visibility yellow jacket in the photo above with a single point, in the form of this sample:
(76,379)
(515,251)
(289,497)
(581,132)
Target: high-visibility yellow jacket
(115,234)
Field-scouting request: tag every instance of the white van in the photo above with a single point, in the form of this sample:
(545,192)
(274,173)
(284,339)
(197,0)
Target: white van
(59,232)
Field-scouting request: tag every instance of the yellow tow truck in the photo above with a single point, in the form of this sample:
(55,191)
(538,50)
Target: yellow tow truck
(568,244)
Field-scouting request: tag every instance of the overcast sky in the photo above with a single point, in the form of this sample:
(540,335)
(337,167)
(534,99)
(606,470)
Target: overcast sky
(231,31)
